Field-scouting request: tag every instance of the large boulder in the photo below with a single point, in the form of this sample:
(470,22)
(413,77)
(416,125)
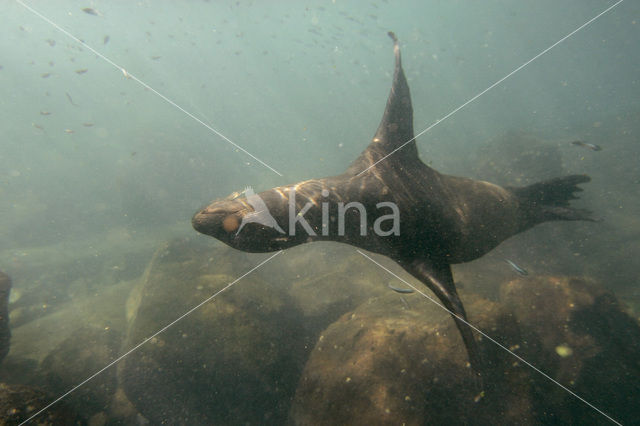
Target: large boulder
(392,363)
(60,350)
(400,360)
(234,359)
(88,350)
(577,332)
(18,403)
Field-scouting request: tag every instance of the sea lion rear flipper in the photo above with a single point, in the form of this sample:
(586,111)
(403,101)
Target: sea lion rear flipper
(549,200)
(438,277)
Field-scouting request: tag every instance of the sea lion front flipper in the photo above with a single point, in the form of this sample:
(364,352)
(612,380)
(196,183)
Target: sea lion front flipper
(394,137)
(438,277)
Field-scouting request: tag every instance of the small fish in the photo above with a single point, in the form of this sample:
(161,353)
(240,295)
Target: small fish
(518,269)
(69,131)
(90,11)
(592,147)
(37,126)
(51,42)
(81,71)
(87,124)
(155,58)
(45,113)
(45,75)
(400,290)
(106,39)
(70,100)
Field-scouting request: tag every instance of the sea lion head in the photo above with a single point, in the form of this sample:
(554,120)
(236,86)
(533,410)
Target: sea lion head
(237,222)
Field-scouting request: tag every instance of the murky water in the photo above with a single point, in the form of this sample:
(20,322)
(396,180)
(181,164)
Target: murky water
(121,120)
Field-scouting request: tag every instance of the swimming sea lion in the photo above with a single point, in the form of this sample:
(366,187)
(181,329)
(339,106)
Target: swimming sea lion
(398,207)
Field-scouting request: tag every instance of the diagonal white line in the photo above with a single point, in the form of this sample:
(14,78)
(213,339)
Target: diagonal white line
(492,86)
(115,361)
(143,84)
(495,342)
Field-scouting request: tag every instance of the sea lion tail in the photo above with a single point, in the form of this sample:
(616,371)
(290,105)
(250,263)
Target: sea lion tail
(549,200)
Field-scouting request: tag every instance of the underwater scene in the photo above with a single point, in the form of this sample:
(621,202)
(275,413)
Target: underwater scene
(320,212)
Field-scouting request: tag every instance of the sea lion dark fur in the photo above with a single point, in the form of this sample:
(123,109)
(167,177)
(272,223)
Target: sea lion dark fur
(443,219)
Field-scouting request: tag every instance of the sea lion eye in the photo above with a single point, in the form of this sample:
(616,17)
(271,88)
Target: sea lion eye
(230,223)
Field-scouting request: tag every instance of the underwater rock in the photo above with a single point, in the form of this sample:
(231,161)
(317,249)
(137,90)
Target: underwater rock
(394,362)
(391,363)
(328,287)
(88,350)
(234,360)
(54,276)
(577,332)
(42,337)
(19,402)
(5,332)
(60,350)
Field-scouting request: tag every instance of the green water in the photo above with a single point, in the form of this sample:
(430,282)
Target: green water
(98,171)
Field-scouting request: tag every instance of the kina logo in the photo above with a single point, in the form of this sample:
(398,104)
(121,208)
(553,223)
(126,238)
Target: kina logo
(260,214)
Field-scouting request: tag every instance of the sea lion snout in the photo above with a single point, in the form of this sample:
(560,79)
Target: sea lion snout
(218,218)
(208,220)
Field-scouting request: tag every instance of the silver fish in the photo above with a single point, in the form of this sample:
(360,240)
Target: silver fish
(591,146)
(70,99)
(90,11)
(400,290)
(518,269)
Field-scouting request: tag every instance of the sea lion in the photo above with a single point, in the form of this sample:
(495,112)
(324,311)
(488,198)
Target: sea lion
(398,207)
